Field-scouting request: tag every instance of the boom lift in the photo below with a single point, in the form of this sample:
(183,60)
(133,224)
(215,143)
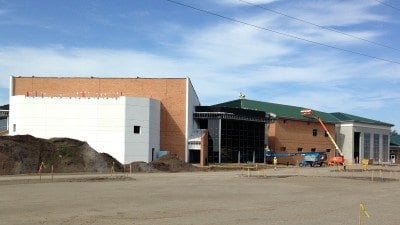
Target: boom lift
(336,160)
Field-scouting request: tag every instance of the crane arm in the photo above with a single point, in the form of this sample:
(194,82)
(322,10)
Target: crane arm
(309,113)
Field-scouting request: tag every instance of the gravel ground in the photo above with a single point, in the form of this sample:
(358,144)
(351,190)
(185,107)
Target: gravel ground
(283,196)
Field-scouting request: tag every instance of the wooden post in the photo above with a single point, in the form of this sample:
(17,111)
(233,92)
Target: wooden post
(112,168)
(52,173)
(130,168)
(40,170)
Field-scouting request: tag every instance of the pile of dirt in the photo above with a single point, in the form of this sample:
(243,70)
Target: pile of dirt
(142,167)
(171,163)
(167,163)
(24,154)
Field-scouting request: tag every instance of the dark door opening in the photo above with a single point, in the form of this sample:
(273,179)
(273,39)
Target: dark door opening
(194,156)
(356,147)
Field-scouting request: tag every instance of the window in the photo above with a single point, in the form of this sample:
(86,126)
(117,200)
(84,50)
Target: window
(284,121)
(300,149)
(328,150)
(283,149)
(313,149)
(376,148)
(136,129)
(367,145)
(385,148)
(14,127)
(326,134)
(314,132)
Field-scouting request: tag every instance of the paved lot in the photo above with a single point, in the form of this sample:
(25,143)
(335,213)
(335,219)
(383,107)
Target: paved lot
(286,196)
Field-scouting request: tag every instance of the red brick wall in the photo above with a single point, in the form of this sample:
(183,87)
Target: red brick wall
(294,134)
(170,92)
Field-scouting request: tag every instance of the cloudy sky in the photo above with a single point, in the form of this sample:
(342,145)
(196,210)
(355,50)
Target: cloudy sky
(293,59)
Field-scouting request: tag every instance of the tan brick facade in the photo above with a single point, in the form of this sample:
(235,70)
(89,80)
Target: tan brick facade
(171,92)
(293,134)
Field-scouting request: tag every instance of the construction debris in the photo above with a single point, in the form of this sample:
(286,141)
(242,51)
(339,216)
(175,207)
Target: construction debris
(171,163)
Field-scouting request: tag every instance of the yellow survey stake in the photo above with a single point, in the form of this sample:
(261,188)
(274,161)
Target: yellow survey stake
(363,209)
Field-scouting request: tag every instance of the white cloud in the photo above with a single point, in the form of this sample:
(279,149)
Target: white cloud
(233,44)
(336,13)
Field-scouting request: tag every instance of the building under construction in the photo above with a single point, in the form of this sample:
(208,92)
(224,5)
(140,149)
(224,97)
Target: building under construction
(129,118)
(231,135)
(133,119)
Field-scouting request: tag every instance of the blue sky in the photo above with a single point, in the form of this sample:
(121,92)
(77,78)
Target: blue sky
(155,38)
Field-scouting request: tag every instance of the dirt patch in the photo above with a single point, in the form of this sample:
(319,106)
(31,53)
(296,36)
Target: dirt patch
(23,154)
(58,179)
(168,163)
(171,163)
(97,179)
(142,167)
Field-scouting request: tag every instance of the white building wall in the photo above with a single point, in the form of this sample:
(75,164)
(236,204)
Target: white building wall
(155,121)
(102,122)
(346,142)
(145,113)
(344,138)
(192,100)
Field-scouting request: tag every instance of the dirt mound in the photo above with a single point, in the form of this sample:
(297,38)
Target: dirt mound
(142,167)
(24,154)
(172,163)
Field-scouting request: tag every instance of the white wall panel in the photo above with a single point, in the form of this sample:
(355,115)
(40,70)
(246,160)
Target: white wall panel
(105,123)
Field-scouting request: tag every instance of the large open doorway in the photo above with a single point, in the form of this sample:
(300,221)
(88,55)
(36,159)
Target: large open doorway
(194,156)
(356,148)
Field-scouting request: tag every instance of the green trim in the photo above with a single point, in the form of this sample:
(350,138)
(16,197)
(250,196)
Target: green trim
(395,140)
(344,117)
(281,111)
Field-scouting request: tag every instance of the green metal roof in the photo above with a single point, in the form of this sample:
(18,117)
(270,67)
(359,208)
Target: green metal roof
(281,111)
(395,140)
(344,117)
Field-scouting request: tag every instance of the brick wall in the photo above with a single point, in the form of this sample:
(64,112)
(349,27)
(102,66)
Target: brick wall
(170,92)
(294,134)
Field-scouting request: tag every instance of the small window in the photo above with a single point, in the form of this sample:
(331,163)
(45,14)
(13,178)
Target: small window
(283,149)
(314,132)
(326,134)
(14,127)
(328,150)
(136,129)
(300,149)
(284,121)
(313,149)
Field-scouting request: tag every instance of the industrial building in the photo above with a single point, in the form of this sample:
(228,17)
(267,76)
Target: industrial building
(357,137)
(291,132)
(129,118)
(395,148)
(4,111)
(363,138)
(229,135)
(133,119)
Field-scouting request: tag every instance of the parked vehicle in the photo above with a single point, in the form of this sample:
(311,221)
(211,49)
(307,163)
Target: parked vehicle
(313,159)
